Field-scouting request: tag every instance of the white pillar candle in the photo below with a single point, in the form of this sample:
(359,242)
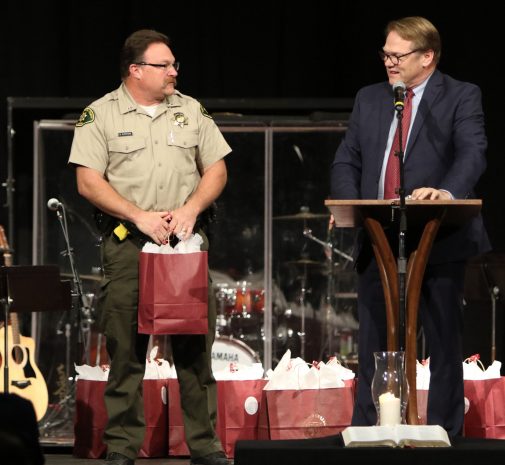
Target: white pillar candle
(389,408)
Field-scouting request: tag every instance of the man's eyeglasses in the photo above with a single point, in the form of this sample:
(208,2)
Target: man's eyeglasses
(395,59)
(164,66)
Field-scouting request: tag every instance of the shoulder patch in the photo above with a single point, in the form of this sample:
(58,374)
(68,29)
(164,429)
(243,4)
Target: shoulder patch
(204,111)
(88,116)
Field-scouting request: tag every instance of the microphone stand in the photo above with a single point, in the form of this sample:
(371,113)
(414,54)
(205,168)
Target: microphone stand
(402,259)
(84,318)
(494,294)
(64,410)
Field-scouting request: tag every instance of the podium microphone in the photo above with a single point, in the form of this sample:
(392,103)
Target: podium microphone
(399,89)
(54,204)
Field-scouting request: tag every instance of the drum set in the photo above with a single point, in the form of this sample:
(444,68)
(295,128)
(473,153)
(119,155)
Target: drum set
(240,310)
(313,323)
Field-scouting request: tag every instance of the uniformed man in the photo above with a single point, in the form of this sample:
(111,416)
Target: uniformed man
(151,158)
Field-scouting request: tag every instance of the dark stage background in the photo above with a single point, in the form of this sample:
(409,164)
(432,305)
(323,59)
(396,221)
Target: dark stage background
(235,50)
(249,50)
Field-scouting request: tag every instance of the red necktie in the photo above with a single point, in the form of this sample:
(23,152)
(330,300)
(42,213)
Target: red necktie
(392,176)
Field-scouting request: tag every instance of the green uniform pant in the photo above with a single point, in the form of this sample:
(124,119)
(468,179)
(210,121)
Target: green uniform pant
(127,349)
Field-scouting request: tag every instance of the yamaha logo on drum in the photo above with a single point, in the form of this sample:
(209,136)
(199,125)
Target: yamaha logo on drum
(225,357)
(228,353)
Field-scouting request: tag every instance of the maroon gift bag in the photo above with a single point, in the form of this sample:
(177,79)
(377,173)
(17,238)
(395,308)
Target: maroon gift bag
(422,405)
(176,439)
(485,417)
(238,411)
(237,414)
(91,419)
(173,293)
(305,413)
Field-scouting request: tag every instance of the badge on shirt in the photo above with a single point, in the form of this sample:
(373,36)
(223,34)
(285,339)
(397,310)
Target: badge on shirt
(180,119)
(204,111)
(88,116)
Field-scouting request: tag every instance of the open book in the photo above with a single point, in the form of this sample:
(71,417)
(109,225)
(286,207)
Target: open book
(396,436)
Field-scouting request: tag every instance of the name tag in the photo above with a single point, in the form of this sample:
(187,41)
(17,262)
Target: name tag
(123,134)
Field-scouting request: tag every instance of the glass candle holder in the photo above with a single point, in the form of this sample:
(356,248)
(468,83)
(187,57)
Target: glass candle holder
(390,390)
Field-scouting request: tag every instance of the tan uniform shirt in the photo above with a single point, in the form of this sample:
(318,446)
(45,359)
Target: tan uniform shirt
(155,162)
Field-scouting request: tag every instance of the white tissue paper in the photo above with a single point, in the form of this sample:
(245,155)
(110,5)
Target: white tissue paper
(474,369)
(96,373)
(156,368)
(297,374)
(423,374)
(237,371)
(190,245)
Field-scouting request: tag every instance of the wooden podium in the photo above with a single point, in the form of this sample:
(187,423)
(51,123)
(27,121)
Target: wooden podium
(428,215)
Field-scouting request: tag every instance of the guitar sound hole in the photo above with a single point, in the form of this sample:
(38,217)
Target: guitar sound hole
(18,355)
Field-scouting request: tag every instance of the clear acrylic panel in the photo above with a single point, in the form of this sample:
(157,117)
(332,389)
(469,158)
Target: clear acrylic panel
(274,284)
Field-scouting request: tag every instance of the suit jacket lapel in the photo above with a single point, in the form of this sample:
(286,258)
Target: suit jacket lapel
(386,114)
(430,95)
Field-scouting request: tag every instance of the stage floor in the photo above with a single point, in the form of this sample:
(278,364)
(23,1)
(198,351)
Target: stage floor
(66,458)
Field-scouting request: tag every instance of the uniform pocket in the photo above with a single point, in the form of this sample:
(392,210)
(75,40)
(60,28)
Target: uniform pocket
(184,146)
(126,155)
(126,145)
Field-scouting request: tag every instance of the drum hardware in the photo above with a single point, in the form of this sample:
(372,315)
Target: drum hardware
(304,214)
(302,299)
(327,245)
(84,277)
(222,296)
(306,262)
(345,339)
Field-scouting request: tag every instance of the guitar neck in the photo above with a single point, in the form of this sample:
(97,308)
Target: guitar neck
(16,338)
(7,257)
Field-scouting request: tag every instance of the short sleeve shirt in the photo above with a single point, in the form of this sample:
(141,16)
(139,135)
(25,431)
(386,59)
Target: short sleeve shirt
(154,162)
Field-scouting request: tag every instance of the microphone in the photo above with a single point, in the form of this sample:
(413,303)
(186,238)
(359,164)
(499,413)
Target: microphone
(399,89)
(54,204)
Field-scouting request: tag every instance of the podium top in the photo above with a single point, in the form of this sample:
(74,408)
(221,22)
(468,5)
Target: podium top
(350,213)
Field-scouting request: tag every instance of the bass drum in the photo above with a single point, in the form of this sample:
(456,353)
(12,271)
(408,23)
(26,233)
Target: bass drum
(228,350)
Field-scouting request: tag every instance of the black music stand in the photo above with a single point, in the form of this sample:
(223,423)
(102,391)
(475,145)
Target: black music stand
(30,289)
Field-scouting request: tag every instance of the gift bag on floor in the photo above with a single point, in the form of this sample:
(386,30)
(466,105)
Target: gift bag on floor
(173,293)
(305,413)
(422,405)
(91,419)
(485,417)
(238,411)
(176,439)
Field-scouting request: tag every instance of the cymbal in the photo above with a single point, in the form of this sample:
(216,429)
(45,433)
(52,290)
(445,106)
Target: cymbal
(85,277)
(303,216)
(305,262)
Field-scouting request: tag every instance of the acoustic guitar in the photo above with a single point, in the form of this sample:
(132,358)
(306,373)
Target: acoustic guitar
(25,378)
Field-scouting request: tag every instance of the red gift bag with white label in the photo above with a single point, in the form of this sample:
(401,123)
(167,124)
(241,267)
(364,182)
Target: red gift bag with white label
(237,414)
(91,419)
(485,417)
(173,293)
(238,411)
(305,413)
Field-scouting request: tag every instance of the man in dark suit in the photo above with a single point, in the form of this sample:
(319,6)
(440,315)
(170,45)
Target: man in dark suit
(444,157)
